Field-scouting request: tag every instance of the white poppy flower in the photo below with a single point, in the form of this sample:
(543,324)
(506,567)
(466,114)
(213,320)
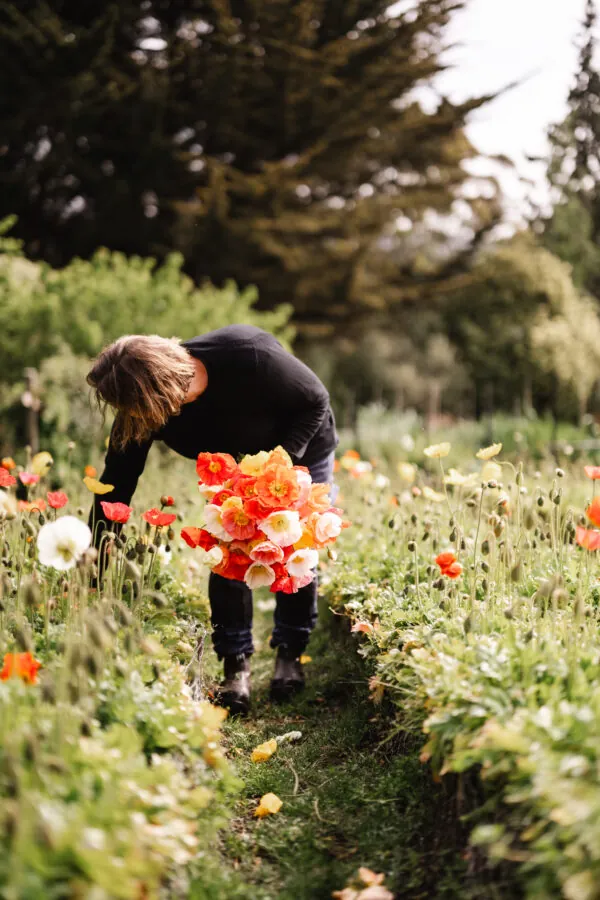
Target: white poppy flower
(328,527)
(213,523)
(283,528)
(259,575)
(61,543)
(8,505)
(302,562)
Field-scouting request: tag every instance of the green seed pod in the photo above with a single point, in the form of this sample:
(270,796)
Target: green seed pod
(453,536)
(485,547)
(485,565)
(540,501)
(42,519)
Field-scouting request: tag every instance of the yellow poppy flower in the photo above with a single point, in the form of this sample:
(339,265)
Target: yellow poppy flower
(305,658)
(254,464)
(432,495)
(407,472)
(264,751)
(281,457)
(489,452)
(269,805)
(456,479)
(96,487)
(437,451)
(41,462)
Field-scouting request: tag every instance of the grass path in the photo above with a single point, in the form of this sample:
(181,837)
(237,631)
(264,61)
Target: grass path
(348,799)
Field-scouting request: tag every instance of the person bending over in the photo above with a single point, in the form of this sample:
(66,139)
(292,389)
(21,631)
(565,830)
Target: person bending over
(234,390)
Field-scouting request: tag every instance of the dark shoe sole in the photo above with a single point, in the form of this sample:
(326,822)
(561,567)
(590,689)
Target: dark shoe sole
(282,691)
(237,706)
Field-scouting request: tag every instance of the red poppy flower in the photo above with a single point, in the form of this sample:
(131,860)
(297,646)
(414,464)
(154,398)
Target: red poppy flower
(234,564)
(157,518)
(449,565)
(116,512)
(588,539)
(278,487)
(257,510)
(593,511)
(592,472)
(28,478)
(6,479)
(22,665)
(199,537)
(215,468)
(31,505)
(220,498)
(57,499)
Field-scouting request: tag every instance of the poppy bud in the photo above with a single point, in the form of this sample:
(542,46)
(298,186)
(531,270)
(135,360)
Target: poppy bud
(411,546)
(170,534)
(453,536)
(167,500)
(540,501)
(485,548)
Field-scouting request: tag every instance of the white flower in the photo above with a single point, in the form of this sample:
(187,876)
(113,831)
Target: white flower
(328,527)
(362,467)
(304,483)
(266,552)
(283,528)
(61,543)
(259,575)
(381,481)
(8,505)
(164,555)
(213,522)
(208,491)
(301,562)
(210,558)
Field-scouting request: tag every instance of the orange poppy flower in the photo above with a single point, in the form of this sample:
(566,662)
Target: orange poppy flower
(8,463)
(449,565)
(31,506)
(593,511)
(90,471)
(588,539)
(215,468)
(221,496)
(592,472)
(6,479)
(257,510)
(243,486)
(236,520)
(234,564)
(22,665)
(278,487)
(57,499)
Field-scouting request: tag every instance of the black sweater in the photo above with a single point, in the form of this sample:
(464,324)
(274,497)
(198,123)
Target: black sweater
(258,396)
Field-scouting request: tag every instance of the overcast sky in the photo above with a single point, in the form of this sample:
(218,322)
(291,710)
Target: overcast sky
(501,41)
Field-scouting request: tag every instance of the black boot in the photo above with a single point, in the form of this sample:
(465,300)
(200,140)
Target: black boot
(234,693)
(288,678)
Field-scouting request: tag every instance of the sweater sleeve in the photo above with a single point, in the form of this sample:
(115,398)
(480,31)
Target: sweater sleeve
(121,469)
(297,397)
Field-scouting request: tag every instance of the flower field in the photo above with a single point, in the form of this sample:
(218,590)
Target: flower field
(470,583)
(473,589)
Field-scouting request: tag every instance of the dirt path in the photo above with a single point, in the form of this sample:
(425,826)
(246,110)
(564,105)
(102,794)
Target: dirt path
(348,801)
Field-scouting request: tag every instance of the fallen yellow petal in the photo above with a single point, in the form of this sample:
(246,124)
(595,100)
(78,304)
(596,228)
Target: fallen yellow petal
(264,751)
(489,452)
(305,658)
(268,806)
(97,487)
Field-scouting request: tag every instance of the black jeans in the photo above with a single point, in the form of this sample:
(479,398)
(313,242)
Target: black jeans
(295,614)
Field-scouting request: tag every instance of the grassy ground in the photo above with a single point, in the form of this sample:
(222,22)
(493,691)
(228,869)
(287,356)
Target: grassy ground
(348,798)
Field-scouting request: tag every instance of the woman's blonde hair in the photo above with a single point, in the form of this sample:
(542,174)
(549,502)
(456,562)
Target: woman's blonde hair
(145,378)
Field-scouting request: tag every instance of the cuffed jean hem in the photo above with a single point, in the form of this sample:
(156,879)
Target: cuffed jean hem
(232,641)
(293,640)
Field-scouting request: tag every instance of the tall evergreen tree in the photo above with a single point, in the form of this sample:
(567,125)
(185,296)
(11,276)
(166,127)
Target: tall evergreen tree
(573,229)
(274,141)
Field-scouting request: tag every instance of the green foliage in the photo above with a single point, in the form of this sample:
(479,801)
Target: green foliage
(525,333)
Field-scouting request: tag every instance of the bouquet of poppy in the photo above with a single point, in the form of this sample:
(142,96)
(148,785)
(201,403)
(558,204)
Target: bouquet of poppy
(264,521)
